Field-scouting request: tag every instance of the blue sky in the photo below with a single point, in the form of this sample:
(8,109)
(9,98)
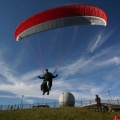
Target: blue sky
(87,57)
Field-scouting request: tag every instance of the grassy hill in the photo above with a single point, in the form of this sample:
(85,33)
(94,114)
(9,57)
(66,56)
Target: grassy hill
(57,114)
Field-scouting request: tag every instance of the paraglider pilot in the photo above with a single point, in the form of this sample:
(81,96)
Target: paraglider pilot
(47,80)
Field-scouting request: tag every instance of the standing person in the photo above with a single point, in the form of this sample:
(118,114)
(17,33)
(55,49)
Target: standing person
(48,78)
(98,101)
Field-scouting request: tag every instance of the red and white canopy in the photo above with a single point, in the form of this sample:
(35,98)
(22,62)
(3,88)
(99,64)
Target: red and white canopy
(60,17)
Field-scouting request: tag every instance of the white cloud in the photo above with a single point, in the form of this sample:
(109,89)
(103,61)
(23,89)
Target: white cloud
(81,65)
(28,100)
(98,40)
(96,44)
(112,61)
(29,85)
(7,96)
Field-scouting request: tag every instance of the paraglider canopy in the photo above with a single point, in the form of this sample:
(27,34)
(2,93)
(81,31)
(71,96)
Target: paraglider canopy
(60,17)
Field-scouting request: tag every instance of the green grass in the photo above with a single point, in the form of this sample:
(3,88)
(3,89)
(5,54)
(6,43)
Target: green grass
(57,114)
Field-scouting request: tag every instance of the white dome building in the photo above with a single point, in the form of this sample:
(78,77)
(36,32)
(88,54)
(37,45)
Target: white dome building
(66,99)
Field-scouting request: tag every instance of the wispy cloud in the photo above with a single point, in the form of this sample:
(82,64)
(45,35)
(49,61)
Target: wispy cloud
(95,44)
(112,61)
(86,65)
(98,40)
(29,85)
(7,96)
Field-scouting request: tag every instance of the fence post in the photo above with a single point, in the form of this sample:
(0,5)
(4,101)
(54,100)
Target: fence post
(15,107)
(30,105)
(54,104)
(46,104)
(22,106)
(8,107)
(81,102)
(0,107)
(118,101)
(90,101)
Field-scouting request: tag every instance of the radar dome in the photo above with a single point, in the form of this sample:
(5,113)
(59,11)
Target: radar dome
(66,99)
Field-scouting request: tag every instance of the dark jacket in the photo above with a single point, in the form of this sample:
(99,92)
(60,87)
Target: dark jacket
(48,77)
(98,100)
